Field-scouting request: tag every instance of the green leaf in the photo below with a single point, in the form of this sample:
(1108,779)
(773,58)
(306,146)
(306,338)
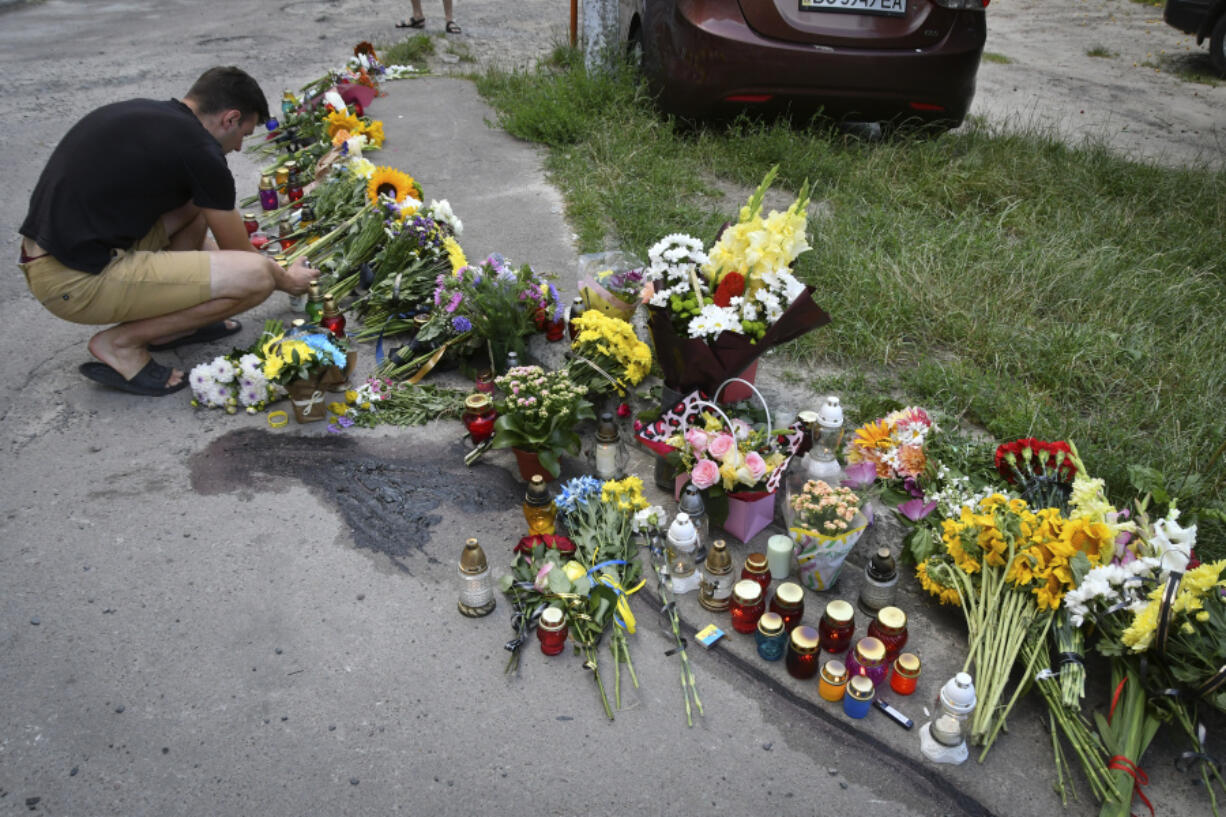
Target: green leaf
(1148,480)
(601,603)
(583,586)
(1080,564)
(505,582)
(550,461)
(558,583)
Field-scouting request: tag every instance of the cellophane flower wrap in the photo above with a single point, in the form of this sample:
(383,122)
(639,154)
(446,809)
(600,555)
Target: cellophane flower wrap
(711,314)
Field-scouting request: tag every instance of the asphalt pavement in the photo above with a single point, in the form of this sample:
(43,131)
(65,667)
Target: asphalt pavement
(202,615)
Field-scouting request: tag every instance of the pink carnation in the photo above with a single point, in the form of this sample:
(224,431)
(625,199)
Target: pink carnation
(705,474)
(720,445)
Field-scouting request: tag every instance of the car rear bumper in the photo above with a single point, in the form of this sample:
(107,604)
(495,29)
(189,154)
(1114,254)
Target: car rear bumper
(719,69)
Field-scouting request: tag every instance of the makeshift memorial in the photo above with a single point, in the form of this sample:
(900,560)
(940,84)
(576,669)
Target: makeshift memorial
(538,415)
(606,355)
(826,526)
(236,380)
(591,579)
(712,315)
(296,360)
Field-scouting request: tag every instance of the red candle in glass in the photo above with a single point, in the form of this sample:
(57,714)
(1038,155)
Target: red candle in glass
(802,655)
(906,673)
(293,191)
(551,630)
(890,628)
(555,331)
(836,627)
(335,324)
(250,223)
(789,603)
(747,606)
(259,240)
(479,416)
(484,382)
(756,569)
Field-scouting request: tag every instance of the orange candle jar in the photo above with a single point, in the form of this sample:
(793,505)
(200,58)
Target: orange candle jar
(906,673)
(833,681)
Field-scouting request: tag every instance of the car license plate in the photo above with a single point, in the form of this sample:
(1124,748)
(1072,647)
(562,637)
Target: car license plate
(889,8)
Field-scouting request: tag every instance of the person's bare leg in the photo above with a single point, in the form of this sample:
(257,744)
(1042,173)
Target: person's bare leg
(418,14)
(240,281)
(186,230)
(446,10)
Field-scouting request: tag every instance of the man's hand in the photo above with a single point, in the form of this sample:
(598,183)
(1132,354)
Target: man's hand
(297,278)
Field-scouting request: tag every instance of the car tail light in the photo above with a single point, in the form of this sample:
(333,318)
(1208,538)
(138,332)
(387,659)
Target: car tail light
(971,5)
(748,98)
(925,106)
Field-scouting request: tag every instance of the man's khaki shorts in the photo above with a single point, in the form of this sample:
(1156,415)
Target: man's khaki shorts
(142,282)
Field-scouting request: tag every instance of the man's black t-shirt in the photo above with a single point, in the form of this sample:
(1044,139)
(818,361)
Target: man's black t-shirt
(116,172)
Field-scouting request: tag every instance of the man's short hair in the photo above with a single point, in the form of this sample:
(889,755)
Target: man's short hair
(225,88)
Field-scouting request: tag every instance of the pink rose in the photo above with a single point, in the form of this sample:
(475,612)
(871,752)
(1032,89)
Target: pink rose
(720,445)
(623,410)
(697,439)
(705,474)
(756,465)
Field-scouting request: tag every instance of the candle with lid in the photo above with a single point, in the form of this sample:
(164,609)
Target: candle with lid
(802,654)
(880,582)
(332,319)
(315,303)
(577,308)
(789,603)
(747,606)
(868,659)
(539,509)
(858,699)
(771,637)
(476,590)
(479,416)
(837,625)
(268,193)
(906,673)
(682,569)
(756,568)
(833,680)
(609,454)
(692,505)
(890,628)
(715,593)
(551,631)
(250,223)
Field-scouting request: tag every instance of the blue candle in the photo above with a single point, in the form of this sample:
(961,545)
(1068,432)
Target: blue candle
(859,697)
(771,637)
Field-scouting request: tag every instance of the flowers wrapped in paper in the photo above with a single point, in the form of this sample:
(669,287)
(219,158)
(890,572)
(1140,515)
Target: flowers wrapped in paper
(611,283)
(828,525)
(711,315)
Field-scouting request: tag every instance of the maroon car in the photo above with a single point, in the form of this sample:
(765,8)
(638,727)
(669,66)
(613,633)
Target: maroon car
(861,60)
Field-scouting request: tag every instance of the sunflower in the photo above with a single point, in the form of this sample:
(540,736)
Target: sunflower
(388,181)
(373,132)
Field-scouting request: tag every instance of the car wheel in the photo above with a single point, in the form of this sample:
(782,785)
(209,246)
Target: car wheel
(1217,46)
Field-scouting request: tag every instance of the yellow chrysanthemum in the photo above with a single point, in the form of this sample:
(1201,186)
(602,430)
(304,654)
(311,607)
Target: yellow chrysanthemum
(455,254)
(626,493)
(393,183)
(338,121)
(1140,634)
(364,168)
(351,396)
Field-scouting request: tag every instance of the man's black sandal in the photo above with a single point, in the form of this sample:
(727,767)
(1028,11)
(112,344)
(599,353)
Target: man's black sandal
(412,22)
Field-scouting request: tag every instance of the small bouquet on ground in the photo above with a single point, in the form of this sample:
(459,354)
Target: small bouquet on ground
(589,575)
(606,355)
(296,361)
(711,315)
(237,380)
(539,414)
(826,526)
(611,283)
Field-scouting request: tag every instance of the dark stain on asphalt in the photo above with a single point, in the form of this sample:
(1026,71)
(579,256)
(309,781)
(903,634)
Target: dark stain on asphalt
(388,491)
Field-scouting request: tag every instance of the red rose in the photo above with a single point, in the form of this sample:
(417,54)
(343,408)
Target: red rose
(551,542)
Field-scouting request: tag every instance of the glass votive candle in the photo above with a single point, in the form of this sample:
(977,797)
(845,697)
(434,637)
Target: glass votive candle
(802,653)
(868,659)
(789,603)
(259,239)
(833,680)
(484,381)
(859,697)
(837,625)
(906,673)
(747,606)
(890,628)
(756,568)
(771,637)
(479,416)
(551,630)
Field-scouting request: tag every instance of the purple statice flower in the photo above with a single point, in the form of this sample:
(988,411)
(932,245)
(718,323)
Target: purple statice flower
(558,310)
(455,301)
(461,324)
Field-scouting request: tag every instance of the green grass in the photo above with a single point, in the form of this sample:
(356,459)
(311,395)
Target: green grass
(1024,286)
(412,50)
(989,56)
(1100,51)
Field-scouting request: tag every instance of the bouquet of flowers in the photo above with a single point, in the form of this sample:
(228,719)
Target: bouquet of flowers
(606,354)
(540,412)
(589,575)
(893,444)
(614,290)
(712,314)
(231,382)
(828,510)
